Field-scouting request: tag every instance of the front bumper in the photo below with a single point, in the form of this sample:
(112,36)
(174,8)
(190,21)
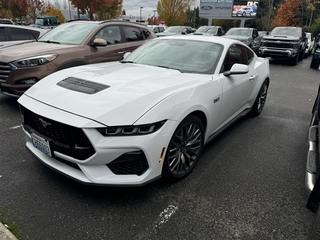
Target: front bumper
(278,52)
(109,164)
(316,57)
(12,81)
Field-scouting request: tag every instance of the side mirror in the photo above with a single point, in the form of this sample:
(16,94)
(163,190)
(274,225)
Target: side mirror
(126,55)
(237,69)
(99,42)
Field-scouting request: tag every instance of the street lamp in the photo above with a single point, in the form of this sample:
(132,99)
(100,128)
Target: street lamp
(140,14)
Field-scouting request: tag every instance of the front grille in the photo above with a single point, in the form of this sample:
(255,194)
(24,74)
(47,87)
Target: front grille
(5,70)
(66,139)
(282,44)
(129,163)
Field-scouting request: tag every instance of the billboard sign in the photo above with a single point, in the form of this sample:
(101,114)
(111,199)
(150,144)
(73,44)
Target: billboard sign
(228,9)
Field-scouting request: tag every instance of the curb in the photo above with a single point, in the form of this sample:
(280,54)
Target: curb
(5,234)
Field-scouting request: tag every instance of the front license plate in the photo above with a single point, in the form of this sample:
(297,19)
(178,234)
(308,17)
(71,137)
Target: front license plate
(41,144)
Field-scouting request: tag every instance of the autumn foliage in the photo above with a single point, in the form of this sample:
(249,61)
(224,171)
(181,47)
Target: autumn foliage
(173,12)
(289,14)
(101,9)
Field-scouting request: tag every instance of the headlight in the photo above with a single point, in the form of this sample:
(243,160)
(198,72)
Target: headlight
(131,130)
(34,61)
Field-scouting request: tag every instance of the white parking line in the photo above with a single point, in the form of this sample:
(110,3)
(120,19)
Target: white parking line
(11,128)
(15,127)
(165,215)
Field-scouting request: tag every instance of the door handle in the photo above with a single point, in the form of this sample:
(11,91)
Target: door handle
(122,52)
(251,78)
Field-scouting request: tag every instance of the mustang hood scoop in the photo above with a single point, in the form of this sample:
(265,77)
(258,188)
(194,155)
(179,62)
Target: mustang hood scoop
(81,85)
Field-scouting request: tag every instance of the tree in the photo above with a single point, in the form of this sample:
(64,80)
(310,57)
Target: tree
(101,8)
(4,9)
(18,8)
(35,8)
(56,12)
(289,14)
(173,12)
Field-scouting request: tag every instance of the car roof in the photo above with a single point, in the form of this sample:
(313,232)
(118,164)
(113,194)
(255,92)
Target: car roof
(214,39)
(23,27)
(6,21)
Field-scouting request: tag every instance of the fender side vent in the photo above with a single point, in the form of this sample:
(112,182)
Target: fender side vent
(81,85)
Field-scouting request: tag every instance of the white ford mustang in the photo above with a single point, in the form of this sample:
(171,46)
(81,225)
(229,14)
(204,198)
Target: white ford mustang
(131,122)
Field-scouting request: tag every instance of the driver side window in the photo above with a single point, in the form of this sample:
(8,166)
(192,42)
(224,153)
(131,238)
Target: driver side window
(111,34)
(235,54)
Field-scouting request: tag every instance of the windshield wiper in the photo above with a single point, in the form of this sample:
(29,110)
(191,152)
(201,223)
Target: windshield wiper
(49,41)
(124,61)
(169,68)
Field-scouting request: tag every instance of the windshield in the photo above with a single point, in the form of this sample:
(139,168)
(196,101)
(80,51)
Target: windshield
(286,31)
(39,21)
(184,55)
(70,34)
(206,30)
(173,30)
(238,32)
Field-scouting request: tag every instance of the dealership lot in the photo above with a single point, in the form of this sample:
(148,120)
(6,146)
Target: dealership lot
(249,183)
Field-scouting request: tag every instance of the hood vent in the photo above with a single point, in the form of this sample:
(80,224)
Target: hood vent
(81,85)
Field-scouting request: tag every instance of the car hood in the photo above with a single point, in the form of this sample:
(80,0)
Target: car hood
(31,49)
(167,34)
(236,37)
(281,37)
(131,90)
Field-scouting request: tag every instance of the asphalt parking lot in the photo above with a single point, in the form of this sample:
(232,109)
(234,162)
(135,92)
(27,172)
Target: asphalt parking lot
(249,183)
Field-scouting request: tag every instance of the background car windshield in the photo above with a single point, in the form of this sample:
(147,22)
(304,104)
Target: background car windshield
(73,34)
(184,55)
(239,32)
(206,30)
(286,32)
(173,30)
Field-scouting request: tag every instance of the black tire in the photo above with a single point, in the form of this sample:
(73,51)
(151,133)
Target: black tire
(314,233)
(184,149)
(294,60)
(260,100)
(301,56)
(314,64)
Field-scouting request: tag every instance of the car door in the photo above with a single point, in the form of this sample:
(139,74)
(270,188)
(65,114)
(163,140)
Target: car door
(116,46)
(237,89)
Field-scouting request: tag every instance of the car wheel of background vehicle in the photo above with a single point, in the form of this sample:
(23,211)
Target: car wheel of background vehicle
(301,55)
(294,60)
(314,233)
(184,149)
(260,100)
(314,64)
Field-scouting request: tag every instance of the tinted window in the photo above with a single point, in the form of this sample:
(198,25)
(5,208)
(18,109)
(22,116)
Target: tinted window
(133,34)
(6,21)
(236,54)
(20,34)
(146,33)
(111,34)
(2,36)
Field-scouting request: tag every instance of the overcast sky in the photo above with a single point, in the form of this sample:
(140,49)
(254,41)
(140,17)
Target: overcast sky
(132,7)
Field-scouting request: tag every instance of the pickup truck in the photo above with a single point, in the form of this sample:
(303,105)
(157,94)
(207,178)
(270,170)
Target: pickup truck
(284,42)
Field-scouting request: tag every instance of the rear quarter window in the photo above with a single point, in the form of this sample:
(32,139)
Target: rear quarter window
(133,34)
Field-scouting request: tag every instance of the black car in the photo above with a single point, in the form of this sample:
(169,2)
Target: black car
(286,43)
(315,57)
(312,180)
